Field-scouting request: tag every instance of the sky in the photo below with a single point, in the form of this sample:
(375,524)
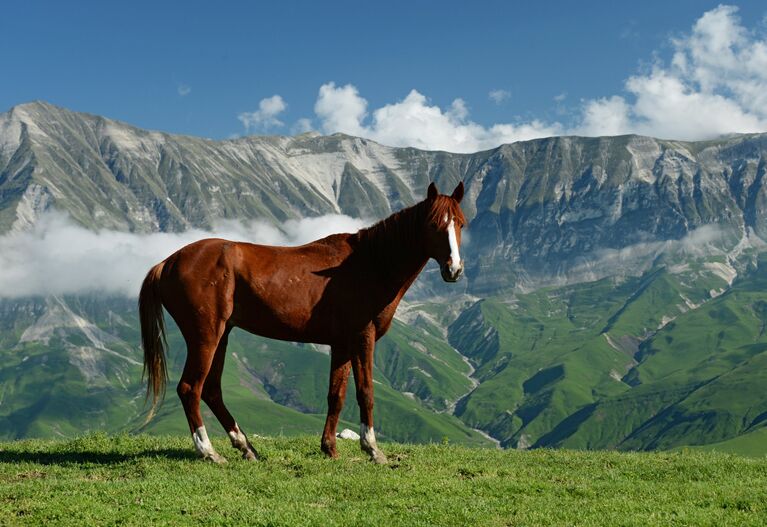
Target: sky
(457,76)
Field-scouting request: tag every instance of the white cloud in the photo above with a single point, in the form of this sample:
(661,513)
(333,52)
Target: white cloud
(414,121)
(716,83)
(498,96)
(302,126)
(341,109)
(604,117)
(59,257)
(703,242)
(184,90)
(266,116)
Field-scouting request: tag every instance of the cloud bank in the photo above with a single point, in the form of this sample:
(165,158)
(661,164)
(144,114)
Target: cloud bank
(59,257)
(414,121)
(634,259)
(715,83)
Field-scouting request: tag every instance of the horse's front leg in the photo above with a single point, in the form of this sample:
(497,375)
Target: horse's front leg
(362,363)
(339,375)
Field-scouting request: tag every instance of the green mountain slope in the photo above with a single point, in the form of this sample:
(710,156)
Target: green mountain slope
(626,365)
(713,359)
(78,369)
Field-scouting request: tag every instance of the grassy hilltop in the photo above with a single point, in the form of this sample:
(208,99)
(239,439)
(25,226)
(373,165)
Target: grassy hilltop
(132,480)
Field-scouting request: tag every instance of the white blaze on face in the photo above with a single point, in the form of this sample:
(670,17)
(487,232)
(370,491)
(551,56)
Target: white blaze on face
(455,256)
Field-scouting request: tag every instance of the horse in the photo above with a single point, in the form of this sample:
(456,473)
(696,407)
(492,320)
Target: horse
(342,290)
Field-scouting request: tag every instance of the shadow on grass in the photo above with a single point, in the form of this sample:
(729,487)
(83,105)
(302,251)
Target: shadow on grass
(94,458)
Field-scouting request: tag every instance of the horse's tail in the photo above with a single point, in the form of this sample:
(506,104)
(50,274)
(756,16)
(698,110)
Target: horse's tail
(153,338)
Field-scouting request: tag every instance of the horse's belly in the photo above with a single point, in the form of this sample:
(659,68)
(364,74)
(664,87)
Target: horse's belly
(287,319)
(275,329)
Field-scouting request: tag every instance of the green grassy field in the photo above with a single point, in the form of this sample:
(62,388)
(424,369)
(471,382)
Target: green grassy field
(150,480)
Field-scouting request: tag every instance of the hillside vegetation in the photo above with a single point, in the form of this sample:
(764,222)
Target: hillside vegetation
(641,363)
(150,480)
(647,363)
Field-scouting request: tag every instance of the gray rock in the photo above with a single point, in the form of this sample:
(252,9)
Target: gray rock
(348,434)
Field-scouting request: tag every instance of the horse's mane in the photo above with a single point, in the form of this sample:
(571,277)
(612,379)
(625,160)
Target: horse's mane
(443,205)
(406,227)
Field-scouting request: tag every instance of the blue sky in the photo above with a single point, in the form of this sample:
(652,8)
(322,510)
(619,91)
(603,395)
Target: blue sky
(557,67)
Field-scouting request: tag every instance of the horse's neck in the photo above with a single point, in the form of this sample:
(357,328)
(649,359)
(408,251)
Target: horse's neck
(397,251)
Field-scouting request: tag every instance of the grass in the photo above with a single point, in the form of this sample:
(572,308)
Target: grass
(142,480)
(749,443)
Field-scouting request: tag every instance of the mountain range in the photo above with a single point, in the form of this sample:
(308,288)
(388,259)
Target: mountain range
(613,296)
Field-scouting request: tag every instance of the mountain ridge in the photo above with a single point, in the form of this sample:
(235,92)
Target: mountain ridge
(546,206)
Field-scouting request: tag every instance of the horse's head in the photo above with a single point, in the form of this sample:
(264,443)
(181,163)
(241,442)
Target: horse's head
(445,220)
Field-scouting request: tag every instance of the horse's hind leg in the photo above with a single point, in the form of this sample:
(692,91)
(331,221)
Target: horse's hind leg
(362,364)
(211,394)
(339,375)
(200,353)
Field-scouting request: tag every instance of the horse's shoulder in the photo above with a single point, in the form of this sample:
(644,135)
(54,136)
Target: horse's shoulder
(334,242)
(328,249)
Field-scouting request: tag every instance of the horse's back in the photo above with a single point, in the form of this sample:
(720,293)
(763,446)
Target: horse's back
(268,290)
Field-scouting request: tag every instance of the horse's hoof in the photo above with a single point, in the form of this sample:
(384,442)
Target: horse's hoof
(215,458)
(330,454)
(329,450)
(378,458)
(249,456)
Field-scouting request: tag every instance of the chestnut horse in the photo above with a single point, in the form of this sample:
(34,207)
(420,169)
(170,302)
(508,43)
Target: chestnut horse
(341,290)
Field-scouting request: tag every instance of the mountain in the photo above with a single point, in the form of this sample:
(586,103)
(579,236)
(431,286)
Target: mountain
(600,273)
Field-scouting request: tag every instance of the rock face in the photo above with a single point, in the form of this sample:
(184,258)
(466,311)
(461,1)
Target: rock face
(547,211)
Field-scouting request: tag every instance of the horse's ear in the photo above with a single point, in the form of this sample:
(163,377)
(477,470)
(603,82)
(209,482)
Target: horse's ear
(432,192)
(458,192)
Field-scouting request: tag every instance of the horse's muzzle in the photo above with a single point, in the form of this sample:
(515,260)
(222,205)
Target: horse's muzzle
(450,275)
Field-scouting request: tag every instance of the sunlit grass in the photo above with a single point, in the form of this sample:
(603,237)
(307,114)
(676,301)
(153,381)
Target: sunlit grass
(101,479)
